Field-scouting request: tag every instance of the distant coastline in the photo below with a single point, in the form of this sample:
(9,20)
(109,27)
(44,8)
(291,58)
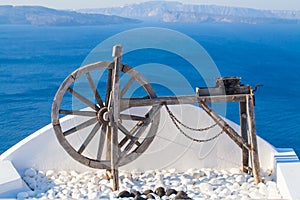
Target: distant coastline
(153,11)
(42,16)
(176,12)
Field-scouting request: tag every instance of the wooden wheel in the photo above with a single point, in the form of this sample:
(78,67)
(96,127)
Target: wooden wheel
(88,139)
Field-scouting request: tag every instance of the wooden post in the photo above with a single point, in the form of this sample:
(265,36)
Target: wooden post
(115,115)
(244,133)
(253,140)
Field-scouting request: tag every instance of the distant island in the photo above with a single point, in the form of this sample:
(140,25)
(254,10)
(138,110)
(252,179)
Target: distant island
(42,16)
(153,11)
(167,11)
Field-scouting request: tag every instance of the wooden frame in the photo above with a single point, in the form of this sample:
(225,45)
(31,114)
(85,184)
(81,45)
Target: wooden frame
(226,90)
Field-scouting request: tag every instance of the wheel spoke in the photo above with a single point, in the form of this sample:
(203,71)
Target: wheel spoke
(77,112)
(132,132)
(132,117)
(134,139)
(129,135)
(126,87)
(150,115)
(89,138)
(80,126)
(101,142)
(83,99)
(108,86)
(95,91)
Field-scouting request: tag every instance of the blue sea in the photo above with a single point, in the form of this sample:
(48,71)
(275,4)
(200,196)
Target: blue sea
(35,60)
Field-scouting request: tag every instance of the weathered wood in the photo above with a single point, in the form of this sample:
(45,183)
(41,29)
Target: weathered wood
(99,161)
(141,80)
(131,117)
(108,86)
(128,134)
(115,115)
(108,143)
(174,100)
(127,86)
(227,129)
(78,112)
(244,133)
(89,138)
(101,142)
(216,91)
(132,132)
(83,99)
(151,114)
(80,126)
(253,139)
(94,89)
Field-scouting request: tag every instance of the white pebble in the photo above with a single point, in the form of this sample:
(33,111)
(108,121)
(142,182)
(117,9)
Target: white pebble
(49,173)
(104,196)
(205,187)
(30,172)
(93,195)
(234,171)
(22,195)
(197,183)
(240,179)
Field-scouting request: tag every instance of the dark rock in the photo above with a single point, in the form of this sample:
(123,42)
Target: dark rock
(181,195)
(150,196)
(124,194)
(135,193)
(139,198)
(146,192)
(170,191)
(160,191)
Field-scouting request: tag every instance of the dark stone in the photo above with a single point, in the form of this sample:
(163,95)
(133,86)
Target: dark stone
(135,193)
(139,198)
(160,191)
(148,192)
(181,195)
(170,191)
(150,196)
(124,194)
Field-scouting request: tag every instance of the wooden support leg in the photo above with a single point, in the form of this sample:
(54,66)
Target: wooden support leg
(114,158)
(253,140)
(226,128)
(115,115)
(244,133)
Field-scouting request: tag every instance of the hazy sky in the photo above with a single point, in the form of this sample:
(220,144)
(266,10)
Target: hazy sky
(76,4)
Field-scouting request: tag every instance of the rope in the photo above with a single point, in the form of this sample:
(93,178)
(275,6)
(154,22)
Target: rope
(176,122)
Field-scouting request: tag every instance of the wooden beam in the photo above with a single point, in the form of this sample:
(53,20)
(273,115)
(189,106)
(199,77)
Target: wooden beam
(174,100)
(244,133)
(227,129)
(253,139)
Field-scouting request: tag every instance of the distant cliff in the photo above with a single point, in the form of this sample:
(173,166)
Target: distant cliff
(42,16)
(166,11)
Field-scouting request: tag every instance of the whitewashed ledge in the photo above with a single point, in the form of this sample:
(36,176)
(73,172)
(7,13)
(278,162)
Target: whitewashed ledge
(170,149)
(287,170)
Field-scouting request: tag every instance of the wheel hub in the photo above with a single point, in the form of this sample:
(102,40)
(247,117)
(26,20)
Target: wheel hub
(102,115)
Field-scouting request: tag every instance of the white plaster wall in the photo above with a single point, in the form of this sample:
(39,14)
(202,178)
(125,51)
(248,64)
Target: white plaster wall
(170,149)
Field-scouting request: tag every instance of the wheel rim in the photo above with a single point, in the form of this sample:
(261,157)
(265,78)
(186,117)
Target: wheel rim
(92,132)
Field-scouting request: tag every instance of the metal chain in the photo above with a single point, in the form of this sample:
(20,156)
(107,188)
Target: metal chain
(175,121)
(179,122)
